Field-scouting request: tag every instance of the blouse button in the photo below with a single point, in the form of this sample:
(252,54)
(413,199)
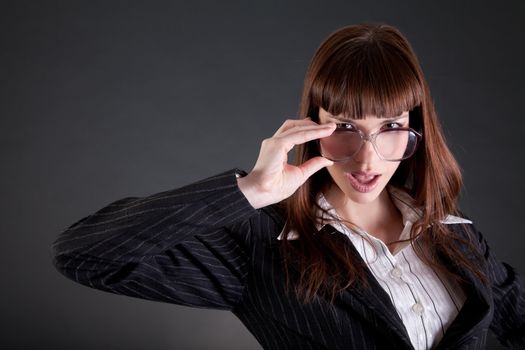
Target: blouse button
(417,308)
(396,272)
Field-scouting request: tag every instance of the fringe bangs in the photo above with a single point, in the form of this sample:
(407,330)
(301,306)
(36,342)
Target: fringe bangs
(369,79)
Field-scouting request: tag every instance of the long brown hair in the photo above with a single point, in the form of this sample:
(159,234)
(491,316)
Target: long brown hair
(360,70)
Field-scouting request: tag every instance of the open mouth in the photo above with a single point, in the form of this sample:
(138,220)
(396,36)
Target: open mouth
(363,182)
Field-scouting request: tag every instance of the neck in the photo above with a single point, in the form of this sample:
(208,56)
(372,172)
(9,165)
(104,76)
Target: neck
(380,218)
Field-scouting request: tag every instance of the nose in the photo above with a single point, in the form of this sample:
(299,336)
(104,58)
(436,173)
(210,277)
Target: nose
(367,153)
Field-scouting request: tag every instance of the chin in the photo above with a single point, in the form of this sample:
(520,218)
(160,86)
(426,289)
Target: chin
(363,198)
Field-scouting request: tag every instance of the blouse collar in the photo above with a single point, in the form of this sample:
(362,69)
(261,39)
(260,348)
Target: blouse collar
(401,199)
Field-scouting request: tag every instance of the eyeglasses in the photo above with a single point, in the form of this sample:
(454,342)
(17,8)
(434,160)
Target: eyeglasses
(392,145)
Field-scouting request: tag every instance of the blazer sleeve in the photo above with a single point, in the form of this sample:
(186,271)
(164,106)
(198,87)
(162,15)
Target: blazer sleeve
(186,246)
(508,290)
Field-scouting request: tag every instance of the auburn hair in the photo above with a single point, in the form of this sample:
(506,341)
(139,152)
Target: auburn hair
(361,70)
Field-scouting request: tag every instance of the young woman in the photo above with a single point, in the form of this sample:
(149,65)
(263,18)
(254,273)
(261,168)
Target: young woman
(358,245)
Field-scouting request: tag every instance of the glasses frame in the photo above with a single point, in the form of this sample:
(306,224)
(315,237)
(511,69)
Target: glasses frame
(372,138)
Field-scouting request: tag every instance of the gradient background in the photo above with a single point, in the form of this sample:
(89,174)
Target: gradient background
(101,100)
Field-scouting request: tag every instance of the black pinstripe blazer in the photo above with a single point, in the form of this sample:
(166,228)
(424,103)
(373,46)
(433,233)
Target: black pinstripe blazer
(203,245)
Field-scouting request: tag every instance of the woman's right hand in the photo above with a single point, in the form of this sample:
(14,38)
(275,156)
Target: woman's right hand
(272,179)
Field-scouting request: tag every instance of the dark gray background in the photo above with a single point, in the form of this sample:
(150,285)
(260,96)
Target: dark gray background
(101,100)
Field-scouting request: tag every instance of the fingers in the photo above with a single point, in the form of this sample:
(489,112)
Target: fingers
(290,123)
(302,134)
(272,179)
(313,165)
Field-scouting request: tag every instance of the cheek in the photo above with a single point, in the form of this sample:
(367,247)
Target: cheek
(336,171)
(336,174)
(391,168)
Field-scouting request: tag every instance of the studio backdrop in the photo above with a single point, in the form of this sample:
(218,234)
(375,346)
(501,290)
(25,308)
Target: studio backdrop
(101,100)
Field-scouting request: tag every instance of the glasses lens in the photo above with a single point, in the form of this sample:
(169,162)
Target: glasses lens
(341,145)
(396,144)
(393,145)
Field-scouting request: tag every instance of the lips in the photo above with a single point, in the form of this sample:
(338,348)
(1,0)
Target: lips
(363,181)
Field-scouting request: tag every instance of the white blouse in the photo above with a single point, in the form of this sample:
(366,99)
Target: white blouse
(427,302)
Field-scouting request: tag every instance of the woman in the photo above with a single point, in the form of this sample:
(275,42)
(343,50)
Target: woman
(359,245)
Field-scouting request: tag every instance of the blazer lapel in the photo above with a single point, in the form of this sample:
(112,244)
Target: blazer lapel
(374,304)
(371,302)
(475,310)
(355,308)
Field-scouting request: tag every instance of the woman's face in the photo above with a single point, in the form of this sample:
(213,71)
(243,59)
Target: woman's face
(363,177)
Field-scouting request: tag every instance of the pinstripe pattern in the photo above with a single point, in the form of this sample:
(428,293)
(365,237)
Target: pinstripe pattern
(407,280)
(203,245)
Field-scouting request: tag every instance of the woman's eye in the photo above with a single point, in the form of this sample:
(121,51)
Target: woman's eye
(345,126)
(393,125)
